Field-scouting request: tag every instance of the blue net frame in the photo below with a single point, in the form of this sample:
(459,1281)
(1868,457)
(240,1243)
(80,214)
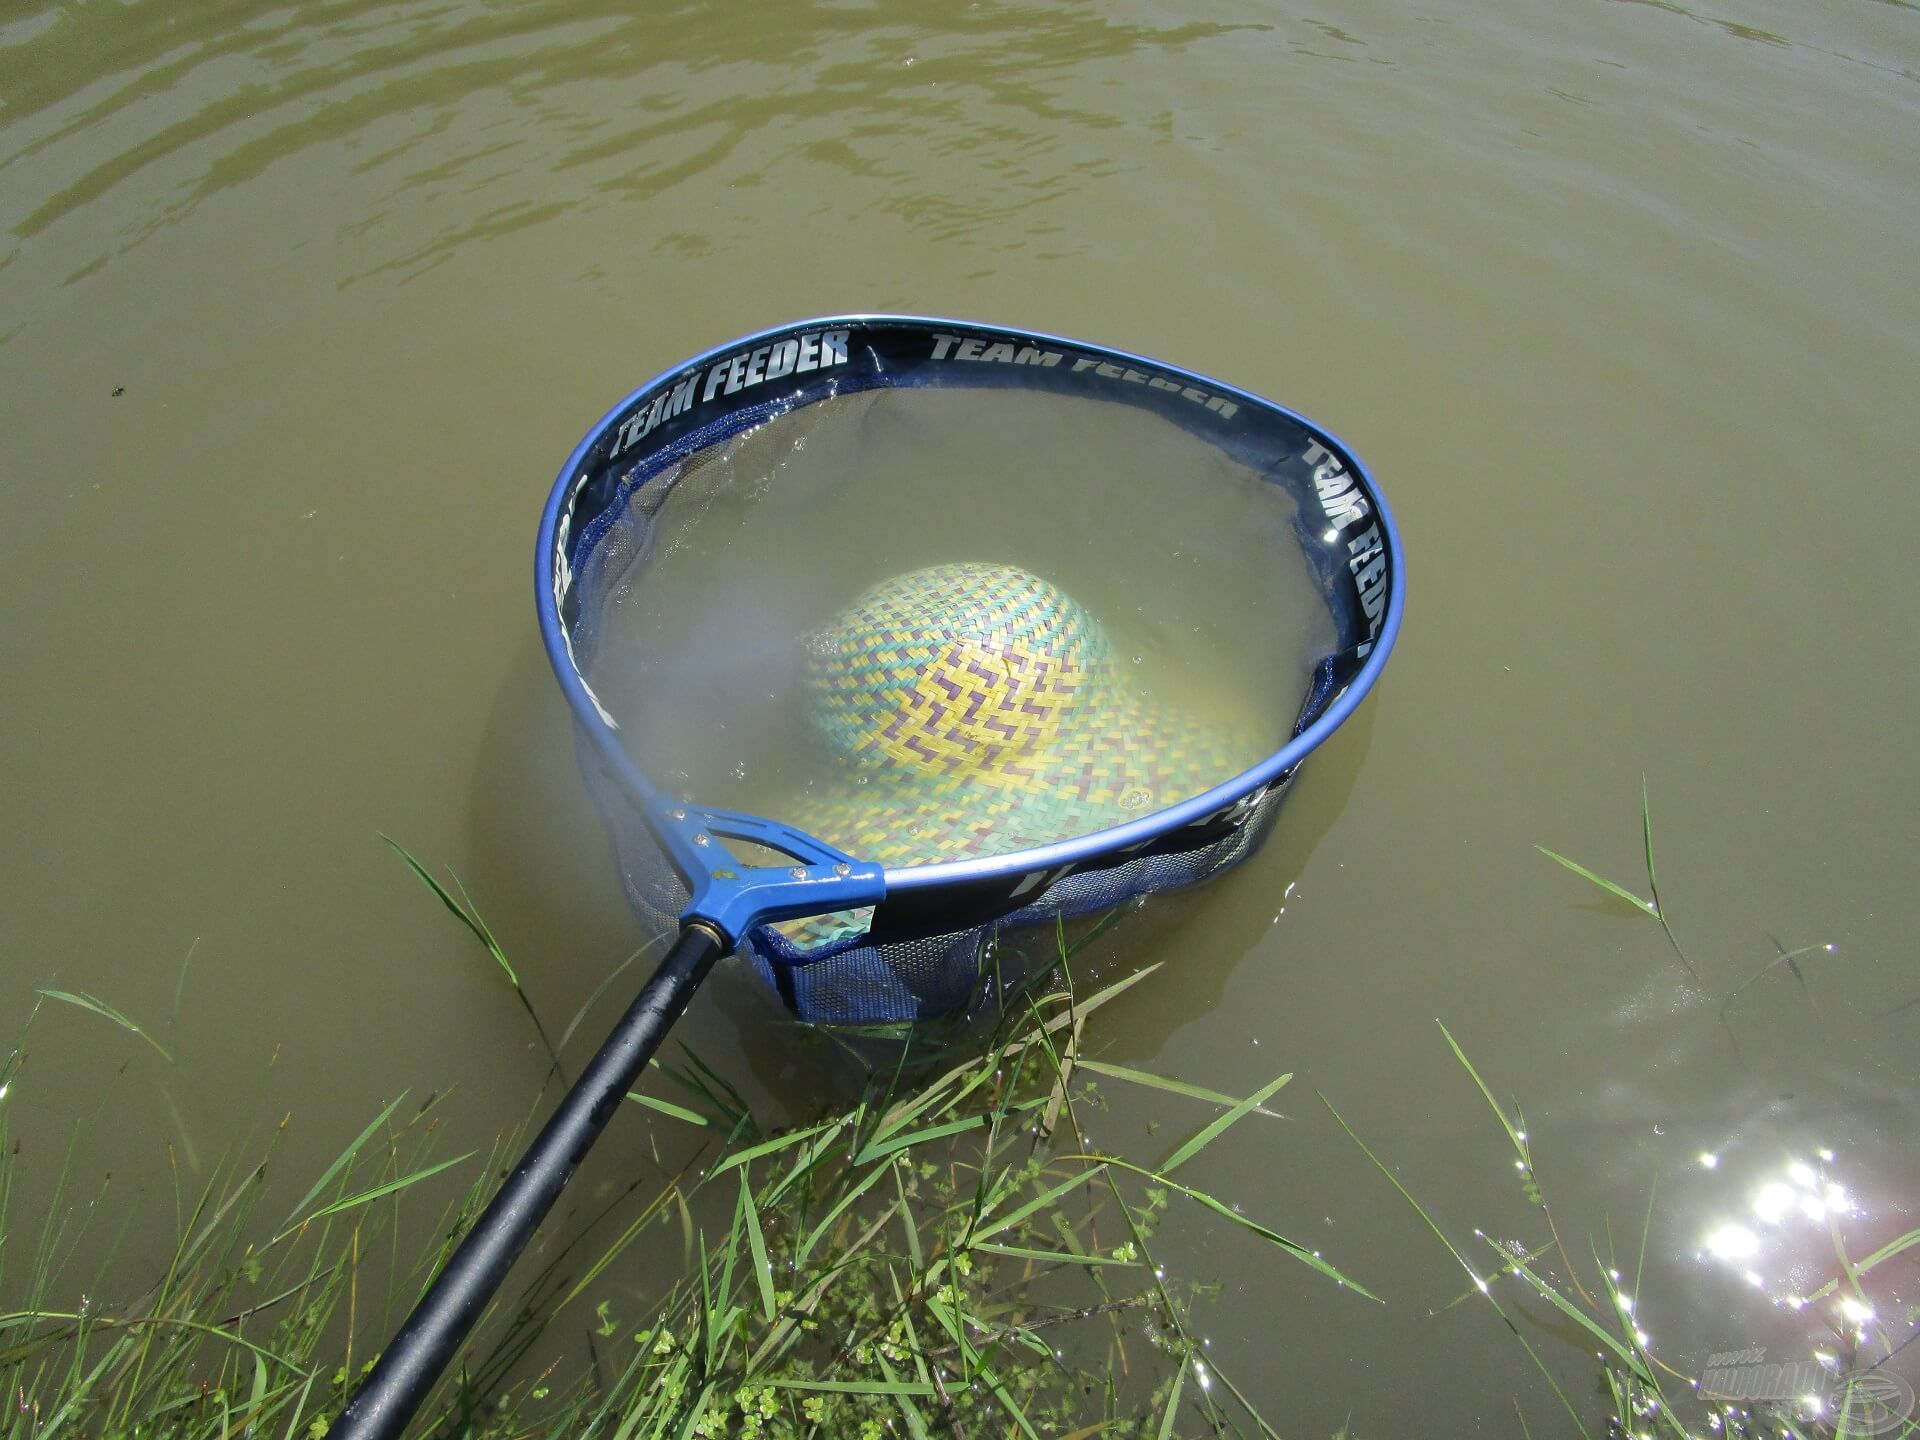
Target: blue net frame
(928,926)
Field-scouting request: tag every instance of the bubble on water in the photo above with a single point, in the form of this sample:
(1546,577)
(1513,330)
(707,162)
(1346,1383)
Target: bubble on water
(740,770)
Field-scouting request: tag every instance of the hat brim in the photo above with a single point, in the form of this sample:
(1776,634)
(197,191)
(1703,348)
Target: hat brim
(1142,756)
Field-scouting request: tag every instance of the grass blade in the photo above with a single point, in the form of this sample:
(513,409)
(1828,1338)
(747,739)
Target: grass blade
(1646,833)
(1041,1201)
(367,1197)
(770,1147)
(757,1244)
(1854,1269)
(1050,1257)
(840,1207)
(459,912)
(1506,1269)
(343,1159)
(179,988)
(1105,923)
(916,1423)
(1580,1317)
(667,1107)
(919,1137)
(107,1012)
(468,914)
(1645,907)
(1173,1400)
(1167,1083)
(1514,1134)
(1213,1131)
(1227,1212)
(1465,1265)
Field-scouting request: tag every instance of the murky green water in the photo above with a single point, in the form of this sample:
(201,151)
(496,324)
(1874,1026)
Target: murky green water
(300,309)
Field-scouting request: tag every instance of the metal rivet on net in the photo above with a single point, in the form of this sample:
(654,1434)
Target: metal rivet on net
(701,838)
(798,872)
(843,870)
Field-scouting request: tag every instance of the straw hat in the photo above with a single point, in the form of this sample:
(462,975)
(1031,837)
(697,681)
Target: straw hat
(975,709)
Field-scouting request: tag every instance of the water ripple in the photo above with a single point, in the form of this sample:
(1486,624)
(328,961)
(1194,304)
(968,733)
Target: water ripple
(150,117)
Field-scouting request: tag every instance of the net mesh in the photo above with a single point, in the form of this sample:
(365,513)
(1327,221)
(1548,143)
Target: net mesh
(853,971)
(859,982)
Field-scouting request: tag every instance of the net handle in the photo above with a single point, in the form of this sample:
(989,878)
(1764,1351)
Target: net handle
(412,1362)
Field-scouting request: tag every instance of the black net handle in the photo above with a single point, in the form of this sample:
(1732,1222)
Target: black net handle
(412,1363)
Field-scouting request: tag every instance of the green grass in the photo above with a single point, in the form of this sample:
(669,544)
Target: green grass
(942,1255)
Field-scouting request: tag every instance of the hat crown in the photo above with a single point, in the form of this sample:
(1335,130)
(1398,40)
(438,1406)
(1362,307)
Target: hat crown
(961,670)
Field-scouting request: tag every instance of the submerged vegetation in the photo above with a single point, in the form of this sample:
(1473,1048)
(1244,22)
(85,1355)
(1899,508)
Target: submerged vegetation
(944,1254)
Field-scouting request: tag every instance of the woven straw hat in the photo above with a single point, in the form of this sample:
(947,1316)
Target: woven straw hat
(973,709)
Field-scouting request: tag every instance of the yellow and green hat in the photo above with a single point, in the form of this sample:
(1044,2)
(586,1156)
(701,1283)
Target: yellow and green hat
(974,709)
